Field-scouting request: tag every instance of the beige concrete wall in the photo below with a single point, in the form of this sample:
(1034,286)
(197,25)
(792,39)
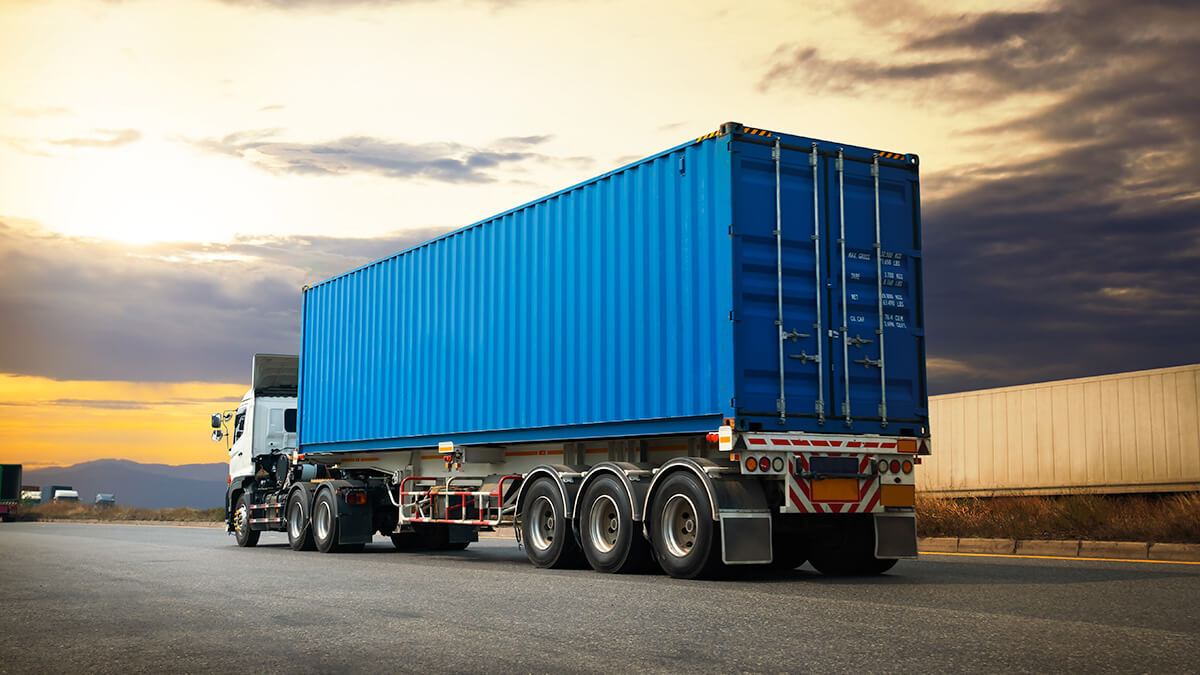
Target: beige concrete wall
(1129,432)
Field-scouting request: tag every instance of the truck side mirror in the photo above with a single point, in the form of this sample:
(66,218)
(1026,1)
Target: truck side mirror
(216,421)
(217,434)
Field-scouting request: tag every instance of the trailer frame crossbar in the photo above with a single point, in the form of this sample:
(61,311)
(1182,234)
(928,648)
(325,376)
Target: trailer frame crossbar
(424,502)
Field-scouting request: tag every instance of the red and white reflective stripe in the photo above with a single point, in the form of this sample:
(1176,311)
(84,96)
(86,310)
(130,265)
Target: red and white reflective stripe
(817,442)
(800,497)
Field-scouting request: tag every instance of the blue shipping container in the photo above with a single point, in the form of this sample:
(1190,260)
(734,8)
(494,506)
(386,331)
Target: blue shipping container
(645,301)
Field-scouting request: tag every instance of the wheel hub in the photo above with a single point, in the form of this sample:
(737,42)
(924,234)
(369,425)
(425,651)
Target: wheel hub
(604,524)
(678,527)
(296,520)
(541,521)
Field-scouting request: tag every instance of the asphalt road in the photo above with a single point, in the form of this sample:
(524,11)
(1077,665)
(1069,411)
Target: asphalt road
(114,598)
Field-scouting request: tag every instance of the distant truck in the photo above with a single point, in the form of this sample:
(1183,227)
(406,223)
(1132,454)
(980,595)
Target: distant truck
(105,499)
(49,491)
(66,495)
(10,491)
(712,356)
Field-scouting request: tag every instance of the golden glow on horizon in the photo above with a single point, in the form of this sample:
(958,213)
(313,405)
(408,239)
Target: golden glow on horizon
(47,422)
(606,82)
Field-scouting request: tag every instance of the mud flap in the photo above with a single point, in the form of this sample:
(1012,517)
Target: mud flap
(745,538)
(895,535)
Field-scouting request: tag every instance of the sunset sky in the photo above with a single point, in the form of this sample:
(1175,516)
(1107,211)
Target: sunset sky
(171,173)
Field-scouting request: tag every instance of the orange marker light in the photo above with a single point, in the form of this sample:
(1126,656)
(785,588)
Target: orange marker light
(751,464)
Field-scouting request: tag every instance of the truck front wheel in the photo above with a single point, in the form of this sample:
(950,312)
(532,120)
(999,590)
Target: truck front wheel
(685,538)
(545,530)
(241,523)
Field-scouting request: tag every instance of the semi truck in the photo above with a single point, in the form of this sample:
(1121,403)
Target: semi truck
(711,357)
(10,491)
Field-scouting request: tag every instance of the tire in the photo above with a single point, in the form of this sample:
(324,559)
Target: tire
(245,536)
(436,537)
(787,548)
(612,542)
(849,551)
(298,527)
(324,522)
(545,530)
(406,541)
(685,538)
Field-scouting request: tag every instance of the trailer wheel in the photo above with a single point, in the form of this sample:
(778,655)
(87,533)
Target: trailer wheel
(685,538)
(849,551)
(545,530)
(788,547)
(405,541)
(299,533)
(245,536)
(611,540)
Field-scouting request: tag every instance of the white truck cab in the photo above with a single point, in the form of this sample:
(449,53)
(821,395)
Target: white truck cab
(264,423)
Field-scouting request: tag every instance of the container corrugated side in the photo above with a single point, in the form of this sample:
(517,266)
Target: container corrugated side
(601,310)
(1129,432)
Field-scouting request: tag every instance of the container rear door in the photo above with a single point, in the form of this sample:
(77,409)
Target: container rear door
(762,286)
(878,382)
(829,375)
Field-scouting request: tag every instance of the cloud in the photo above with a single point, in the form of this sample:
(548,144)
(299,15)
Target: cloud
(107,138)
(35,111)
(443,161)
(341,4)
(85,309)
(1083,256)
(272,107)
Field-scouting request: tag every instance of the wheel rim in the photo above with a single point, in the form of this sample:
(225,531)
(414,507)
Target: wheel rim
(295,520)
(239,521)
(678,527)
(604,524)
(323,521)
(541,524)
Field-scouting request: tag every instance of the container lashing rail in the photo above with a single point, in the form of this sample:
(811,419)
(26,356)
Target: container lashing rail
(423,503)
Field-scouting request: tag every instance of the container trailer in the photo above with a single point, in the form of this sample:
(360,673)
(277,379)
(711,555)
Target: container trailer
(712,356)
(10,491)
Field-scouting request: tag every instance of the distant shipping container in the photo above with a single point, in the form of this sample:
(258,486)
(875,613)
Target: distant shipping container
(1128,432)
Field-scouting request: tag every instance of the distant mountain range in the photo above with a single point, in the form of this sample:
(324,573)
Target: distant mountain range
(150,486)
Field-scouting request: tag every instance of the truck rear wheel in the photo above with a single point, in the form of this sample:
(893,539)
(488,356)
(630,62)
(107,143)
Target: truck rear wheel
(545,530)
(611,540)
(849,550)
(299,533)
(324,523)
(245,536)
(685,537)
